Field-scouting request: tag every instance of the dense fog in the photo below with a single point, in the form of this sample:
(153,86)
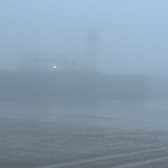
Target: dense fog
(78,76)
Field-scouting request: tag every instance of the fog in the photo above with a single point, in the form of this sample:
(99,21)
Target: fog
(79,76)
(134,34)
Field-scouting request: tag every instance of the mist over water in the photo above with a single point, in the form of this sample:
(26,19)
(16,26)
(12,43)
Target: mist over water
(77,78)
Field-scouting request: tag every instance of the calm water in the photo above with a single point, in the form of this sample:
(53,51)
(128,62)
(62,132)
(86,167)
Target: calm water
(42,134)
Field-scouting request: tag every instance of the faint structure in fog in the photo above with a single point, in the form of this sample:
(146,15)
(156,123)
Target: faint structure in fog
(93,49)
(45,62)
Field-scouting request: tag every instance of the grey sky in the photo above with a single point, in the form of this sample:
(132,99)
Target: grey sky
(134,32)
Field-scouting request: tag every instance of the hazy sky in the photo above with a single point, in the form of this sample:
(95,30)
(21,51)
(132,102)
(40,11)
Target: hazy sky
(134,32)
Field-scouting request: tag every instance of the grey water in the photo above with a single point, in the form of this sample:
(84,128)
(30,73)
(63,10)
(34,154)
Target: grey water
(41,134)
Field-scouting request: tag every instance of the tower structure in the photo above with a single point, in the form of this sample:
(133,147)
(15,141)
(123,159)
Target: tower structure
(93,49)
